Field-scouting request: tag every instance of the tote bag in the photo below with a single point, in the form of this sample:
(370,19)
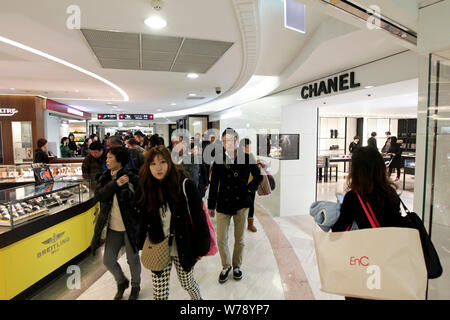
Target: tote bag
(377,263)
(213,243)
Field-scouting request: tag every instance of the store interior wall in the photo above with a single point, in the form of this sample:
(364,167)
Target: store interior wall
(298,177)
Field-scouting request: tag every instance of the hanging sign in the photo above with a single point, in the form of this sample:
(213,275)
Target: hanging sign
(135,116)
(106,116)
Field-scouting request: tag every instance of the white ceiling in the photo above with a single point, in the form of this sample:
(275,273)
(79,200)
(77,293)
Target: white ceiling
(285,58)
(392,100)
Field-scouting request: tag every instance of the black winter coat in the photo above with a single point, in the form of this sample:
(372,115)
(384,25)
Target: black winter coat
(192,239)
(397,159)
(41,156)
(229,189)
(127,204)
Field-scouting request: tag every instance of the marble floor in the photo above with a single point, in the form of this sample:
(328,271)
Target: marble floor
(279,263)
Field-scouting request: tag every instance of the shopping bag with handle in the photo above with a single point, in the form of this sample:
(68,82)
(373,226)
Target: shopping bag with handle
(377,263)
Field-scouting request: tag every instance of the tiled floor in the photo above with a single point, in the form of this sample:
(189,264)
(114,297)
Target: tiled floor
(279,263)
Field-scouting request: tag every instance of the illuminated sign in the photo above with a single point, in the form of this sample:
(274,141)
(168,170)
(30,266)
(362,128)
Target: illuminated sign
(135,116)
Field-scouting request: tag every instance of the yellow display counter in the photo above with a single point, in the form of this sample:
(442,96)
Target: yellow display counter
(31,251)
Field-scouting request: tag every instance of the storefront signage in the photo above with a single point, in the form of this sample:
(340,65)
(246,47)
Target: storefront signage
(339,83)
(106,116)
(135,116)
(8,112)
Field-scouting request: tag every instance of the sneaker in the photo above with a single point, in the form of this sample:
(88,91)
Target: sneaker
(223,277)
(237,273)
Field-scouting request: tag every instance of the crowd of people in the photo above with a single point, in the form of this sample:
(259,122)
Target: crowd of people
(149,192)
(391,150)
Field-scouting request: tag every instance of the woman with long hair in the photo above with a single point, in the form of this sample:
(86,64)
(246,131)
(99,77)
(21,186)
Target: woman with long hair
(165,212)
(369,181)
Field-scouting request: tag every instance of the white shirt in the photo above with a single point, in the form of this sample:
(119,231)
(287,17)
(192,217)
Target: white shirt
(115,221)
(165,219)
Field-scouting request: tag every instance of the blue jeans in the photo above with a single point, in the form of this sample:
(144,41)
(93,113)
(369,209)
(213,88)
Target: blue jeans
(114,241)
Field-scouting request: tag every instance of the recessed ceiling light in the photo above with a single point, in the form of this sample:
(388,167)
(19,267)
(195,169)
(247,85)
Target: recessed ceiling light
(173,104)
(368,87)
(192,75)
(12,88)
(156,22)
(159,110)
(192,94)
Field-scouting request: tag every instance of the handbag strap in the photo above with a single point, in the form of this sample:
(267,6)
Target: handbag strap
(187,201)
(404,206)
(371,217)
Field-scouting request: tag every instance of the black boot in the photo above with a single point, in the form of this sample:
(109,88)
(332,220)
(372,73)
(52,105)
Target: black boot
(134,293)
(121,287)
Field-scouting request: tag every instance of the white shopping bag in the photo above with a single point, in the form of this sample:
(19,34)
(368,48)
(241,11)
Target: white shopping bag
(379,263)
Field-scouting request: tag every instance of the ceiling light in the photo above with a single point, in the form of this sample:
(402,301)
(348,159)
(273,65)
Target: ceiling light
(156,22)
(173,104)
(368,87)
(67,64)
(159,110)
(12,88)
(192,75)
(192,94)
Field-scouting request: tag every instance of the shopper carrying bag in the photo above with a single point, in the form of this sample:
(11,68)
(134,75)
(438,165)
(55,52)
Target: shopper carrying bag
(213,246)
(166,223)
(383,259)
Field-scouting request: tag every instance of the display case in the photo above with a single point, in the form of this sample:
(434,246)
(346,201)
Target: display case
(332,132)
(23,204)
(24,172)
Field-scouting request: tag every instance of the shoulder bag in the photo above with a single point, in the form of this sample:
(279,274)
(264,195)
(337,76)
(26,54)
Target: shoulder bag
(156,256)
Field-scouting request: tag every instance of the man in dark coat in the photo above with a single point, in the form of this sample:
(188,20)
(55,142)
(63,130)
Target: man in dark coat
(238,179)
(372,141)
(94,164)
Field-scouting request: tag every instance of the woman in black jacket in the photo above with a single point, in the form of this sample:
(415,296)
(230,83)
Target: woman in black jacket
(72,144)
(368,179)
(396,156)
(118,214)
(165,212)
(41,155)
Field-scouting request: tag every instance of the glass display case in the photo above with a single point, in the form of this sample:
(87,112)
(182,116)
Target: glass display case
(23,204)
(24,172)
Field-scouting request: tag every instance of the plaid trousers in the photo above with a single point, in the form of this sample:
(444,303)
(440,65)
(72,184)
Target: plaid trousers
(187,281)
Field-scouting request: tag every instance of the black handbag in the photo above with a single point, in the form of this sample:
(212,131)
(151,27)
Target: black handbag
(432,262)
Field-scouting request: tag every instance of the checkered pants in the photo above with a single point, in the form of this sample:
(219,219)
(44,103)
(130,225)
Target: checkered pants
(187,281)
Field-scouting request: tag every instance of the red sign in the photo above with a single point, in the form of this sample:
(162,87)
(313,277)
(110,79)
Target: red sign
(63,108)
